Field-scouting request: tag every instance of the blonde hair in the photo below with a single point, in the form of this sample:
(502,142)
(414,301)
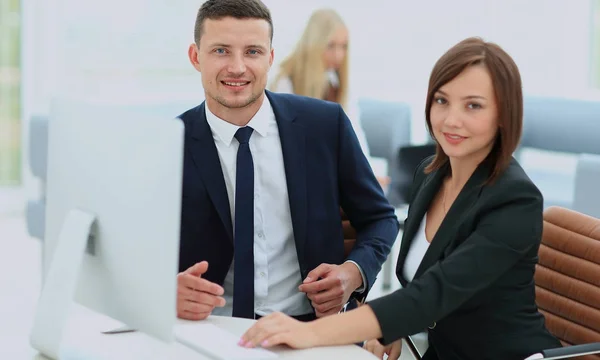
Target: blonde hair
(305,66)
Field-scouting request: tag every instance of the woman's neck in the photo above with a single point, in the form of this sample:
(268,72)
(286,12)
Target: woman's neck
(461,171)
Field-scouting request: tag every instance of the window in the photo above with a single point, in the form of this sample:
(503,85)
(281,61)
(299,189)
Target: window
(10,93)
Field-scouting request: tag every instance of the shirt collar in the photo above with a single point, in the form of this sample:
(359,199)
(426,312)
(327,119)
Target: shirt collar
(225,131)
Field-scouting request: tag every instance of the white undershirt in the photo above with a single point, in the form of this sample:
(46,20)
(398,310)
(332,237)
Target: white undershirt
(415,255)
(417,250)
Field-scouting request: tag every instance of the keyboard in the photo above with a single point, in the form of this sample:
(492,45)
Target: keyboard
(217,343)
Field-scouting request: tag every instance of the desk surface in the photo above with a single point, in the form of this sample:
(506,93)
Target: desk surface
(20,259)
(84,340)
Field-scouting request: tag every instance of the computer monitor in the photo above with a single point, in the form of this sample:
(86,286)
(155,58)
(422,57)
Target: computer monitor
(112,221)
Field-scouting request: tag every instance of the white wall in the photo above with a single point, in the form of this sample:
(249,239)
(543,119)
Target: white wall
(135,50)
(394,44)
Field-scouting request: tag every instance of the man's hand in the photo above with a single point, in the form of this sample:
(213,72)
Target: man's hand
(329,287)
(393,350)
(197,297)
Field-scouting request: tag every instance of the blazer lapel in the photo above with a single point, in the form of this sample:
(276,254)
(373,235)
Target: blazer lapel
(464,201)
(293,147)
(206,158)
(419,206)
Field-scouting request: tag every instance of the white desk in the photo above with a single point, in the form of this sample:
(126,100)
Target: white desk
(19,289)
(84,340)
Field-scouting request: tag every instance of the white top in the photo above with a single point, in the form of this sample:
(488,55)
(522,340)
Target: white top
(276,268)
(284,85)
(417,251)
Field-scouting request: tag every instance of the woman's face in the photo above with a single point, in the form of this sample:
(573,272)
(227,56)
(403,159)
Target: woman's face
(464,115)
(337,49)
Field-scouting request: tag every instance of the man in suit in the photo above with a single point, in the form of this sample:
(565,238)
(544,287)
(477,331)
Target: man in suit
(265,176)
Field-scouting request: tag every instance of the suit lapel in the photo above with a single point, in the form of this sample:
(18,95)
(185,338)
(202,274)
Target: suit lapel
(464,201)
(206,158)
(420,204)
(293,147)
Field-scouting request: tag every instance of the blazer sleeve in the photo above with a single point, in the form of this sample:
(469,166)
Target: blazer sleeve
(507,230)
(365,204)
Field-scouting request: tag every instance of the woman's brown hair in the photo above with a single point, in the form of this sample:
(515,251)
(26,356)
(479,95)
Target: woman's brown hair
(506,81)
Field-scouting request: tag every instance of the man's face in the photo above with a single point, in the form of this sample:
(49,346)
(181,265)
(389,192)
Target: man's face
(234,57)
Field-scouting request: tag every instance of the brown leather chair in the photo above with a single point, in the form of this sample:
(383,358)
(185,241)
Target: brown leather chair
(567,277)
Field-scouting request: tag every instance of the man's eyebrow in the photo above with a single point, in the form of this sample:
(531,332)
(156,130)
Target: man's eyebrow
(219,45)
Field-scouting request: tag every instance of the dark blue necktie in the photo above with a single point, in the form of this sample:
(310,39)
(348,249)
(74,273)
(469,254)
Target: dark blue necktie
(243,244)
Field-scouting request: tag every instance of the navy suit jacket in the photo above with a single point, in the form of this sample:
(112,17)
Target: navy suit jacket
(325,170)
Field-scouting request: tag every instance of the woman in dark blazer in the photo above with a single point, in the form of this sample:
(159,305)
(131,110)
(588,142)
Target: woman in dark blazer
(472,234)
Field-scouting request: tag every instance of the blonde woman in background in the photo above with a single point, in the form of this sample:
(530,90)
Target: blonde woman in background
(318,67)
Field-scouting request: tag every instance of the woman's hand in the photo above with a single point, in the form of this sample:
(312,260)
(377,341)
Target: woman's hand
(393,350)
(278,328)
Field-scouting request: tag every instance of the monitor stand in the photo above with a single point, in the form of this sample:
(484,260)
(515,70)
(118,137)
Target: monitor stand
(60,283)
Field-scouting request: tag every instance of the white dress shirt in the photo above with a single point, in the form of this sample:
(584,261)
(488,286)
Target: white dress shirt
(276,268)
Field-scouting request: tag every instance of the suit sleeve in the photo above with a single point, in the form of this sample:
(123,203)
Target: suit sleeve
(507,231)
(365,204)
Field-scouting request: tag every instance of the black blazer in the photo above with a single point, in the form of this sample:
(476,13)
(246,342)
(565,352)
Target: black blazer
(474,289)
(325,169)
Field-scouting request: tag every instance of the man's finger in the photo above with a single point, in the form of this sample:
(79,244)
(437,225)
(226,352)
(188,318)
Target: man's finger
(209,299)
(395,352)
(187,294)
(328,306)
(193,307)
(198,269)
(378,350)
(370,346)
(325,296)
(321,285)
(199,284)
(192,316)
(317,273)
(327,313)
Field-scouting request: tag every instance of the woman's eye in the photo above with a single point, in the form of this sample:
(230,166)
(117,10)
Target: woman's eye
(474,106)
(440,100)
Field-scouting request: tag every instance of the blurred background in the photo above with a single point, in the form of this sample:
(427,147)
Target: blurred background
(134,52)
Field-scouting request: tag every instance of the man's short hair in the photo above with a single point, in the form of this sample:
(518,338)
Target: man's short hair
(239,9)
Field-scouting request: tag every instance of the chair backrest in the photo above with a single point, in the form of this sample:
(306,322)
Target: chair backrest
(387,127)
(409,158)
(567,277)
(564,125)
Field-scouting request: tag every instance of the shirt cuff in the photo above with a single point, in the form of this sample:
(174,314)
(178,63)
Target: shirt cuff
(363,287)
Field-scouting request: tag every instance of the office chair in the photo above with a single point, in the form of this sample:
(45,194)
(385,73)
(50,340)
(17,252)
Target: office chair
(409,158)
